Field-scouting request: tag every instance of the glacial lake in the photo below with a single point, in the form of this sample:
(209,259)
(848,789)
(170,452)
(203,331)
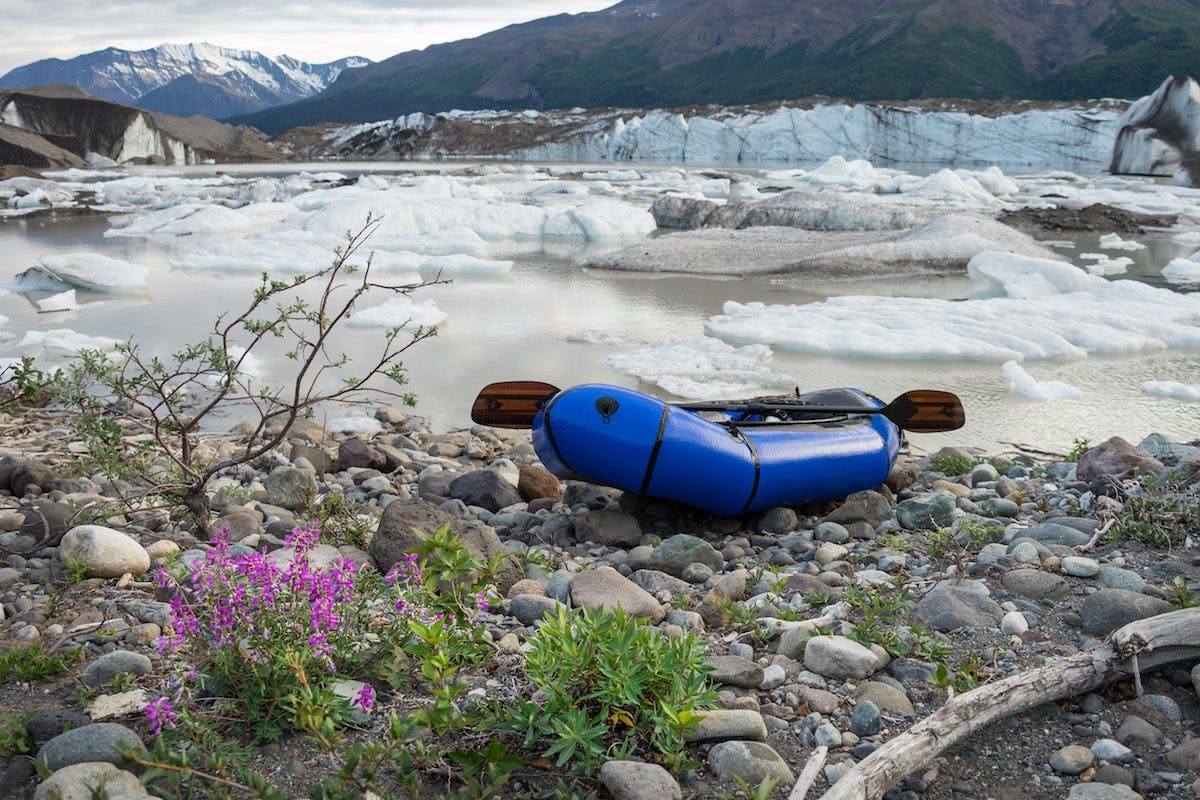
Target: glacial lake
(552,319)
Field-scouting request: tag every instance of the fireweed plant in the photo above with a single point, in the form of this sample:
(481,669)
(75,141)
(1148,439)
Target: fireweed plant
(260,642)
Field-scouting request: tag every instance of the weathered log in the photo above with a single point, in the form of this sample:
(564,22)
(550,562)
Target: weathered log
(1141,645)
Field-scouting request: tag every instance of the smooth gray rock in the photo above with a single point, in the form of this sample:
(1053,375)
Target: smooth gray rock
(108,553)
(680,551)
(1072,759)
(1109,609)
(531,608)
(867,506)
(839,657)
(884,697)
(1112,751)
(1118,578)
(110,665)
(751,761)
(654,581)
(1055,533)
(485,488)
(83,781)
(951,608)
(99,741)
(827,735)
(777,520)
(50,722)
(637,780)
(1035,584)
(734,671)
(926,512)
(290,487)
(611,528)
(1080,567)
(607,588)
(831,532)
(865,720)
(721,725)
(1163,705)
(1102,791)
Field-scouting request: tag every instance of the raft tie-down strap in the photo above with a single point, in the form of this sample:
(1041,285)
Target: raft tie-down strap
(757,472)
(658,440)
(550,431)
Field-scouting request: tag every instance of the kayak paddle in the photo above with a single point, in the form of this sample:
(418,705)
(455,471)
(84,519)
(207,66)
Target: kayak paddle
(515,404)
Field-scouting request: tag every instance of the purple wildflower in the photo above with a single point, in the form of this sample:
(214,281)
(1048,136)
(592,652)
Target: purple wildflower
(160,715)
(481,600)
(365,698)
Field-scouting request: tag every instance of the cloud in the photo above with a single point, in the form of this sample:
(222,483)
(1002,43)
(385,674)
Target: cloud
(311,30)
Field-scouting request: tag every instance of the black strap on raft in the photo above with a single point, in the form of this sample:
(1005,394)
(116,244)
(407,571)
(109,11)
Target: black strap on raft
(757,472)
(658,440)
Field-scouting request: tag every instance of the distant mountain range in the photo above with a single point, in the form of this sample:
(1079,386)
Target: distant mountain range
(185,79)
(665,53)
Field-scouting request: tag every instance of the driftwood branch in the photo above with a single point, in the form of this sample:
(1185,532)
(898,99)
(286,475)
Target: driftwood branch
(1150,643)
(809,774)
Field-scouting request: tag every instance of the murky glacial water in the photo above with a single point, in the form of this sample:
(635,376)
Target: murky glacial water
(517,327)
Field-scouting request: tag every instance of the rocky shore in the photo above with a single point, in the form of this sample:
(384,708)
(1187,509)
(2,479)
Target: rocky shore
(1009,563)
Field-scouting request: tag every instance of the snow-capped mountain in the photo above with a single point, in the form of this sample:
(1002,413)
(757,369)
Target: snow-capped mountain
(186,79)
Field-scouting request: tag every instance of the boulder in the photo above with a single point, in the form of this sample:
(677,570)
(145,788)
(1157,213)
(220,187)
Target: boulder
(106,553)
(534,483)
(356,452)
(607,588)
(1116,457)
(485,488)
(406,522)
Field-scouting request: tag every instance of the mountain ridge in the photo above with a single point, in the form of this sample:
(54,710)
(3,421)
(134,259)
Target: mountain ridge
(186,79)
(660,53)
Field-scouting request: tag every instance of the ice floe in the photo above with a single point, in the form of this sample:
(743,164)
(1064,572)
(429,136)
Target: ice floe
(62,342)
(358,423)
(87,271)
(1022,309)
(1106,265)
(63,301)
(399,311)
(1113,241)
(1173,390)
(1026,386)
(703,368)
(1182,270)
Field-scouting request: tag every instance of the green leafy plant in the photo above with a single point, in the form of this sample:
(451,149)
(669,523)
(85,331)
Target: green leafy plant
(1078,448)
(614,688)
(1180,595)
(14,736)
(880,612)
(951,464)
(966,676)
(342,521)
(1158,513)
(24,385)
(139,414)
(33,663)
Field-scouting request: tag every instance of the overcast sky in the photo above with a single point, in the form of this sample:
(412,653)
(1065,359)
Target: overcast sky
(311,30)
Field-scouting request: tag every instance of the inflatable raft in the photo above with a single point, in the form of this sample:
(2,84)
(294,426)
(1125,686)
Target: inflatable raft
(730,465)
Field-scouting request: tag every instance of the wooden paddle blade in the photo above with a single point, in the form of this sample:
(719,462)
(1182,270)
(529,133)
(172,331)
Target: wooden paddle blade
(511,404)
(926,411)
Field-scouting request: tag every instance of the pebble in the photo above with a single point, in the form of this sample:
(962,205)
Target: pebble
(1080,567)
(1014,623)
(1072,759)
(1112,751)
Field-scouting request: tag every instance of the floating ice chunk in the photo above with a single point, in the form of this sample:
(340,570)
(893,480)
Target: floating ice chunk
(614,176)
(1187,238)
(1007,275)
(94,271)
(1038,390)
(701,368)
(1182,270)
(354,423)
(201,218)
(595,336)
(63,301)
(1173,390)
(599,221)
(1113,241)
(1105,265)
(1039,320)
(63,342)
(397,312)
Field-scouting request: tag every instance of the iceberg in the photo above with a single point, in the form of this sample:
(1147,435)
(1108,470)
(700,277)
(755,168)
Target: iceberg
(1026,386)
(701,368)
(63,301)
(1023,309)
(1182,270)
(91,271)
(397,312)
(1173,390)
